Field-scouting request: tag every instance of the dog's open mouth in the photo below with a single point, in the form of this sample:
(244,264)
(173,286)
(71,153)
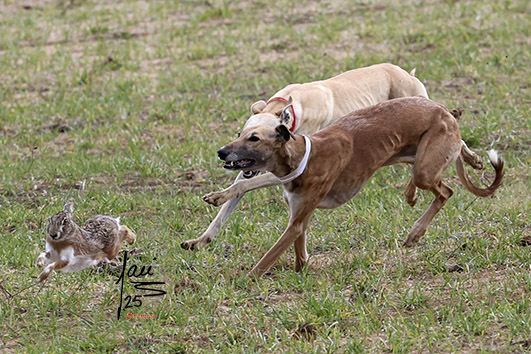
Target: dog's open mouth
(239,164)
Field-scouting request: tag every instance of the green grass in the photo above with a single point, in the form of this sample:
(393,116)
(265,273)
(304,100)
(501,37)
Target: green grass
(121,106)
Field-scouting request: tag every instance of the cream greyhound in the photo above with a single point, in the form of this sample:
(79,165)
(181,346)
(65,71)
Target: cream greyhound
(329,168)
(318,104)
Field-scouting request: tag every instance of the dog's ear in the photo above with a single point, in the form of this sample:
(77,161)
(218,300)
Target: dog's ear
(284,133)
(258,107)
(285,114)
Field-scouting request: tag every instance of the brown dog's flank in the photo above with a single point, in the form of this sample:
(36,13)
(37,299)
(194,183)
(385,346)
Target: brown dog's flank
(411,130)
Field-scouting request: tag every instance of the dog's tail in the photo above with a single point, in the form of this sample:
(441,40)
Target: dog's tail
(495,161)
(471,158)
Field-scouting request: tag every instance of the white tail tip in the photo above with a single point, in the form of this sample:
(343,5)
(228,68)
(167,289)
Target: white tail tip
(493,157)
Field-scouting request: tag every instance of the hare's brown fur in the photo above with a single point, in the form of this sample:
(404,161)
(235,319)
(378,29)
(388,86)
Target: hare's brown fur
(70,247)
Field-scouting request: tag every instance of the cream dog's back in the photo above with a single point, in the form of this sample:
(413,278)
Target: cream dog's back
(318,104)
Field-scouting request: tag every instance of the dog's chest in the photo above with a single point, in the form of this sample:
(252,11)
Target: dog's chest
(337,196)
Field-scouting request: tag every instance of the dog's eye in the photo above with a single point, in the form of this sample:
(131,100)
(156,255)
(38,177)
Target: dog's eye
(239,133)
(254,138)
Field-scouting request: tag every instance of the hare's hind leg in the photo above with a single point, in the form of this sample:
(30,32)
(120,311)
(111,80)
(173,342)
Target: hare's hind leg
(127,235)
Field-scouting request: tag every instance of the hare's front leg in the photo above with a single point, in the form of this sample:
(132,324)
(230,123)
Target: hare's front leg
(53,266)
(43,259)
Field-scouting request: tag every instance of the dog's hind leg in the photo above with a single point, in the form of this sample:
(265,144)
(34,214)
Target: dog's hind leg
(471,158)
(411,193)
(442,192)
(435,152)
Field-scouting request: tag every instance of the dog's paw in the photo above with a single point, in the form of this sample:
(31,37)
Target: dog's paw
(189,245)
(195,244)
(215,198)
(415,234)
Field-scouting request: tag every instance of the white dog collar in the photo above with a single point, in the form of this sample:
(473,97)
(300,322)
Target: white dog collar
(302,166)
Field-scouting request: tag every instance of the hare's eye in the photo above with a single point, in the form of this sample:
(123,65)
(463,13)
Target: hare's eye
(63,222)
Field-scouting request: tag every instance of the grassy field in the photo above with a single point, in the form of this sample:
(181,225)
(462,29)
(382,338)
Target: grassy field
(120,106)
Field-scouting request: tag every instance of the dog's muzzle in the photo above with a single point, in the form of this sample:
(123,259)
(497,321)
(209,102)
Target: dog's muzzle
(223,153)
(233,163)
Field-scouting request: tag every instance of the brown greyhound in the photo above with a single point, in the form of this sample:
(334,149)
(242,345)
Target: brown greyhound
(329,168)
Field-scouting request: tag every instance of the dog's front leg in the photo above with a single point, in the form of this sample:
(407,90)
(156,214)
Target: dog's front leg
(300,213)
(226,210)
(241,187)
(301,254)
(215,227)
(288,237)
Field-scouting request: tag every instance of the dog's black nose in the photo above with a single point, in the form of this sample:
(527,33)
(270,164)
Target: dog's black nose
(223,153)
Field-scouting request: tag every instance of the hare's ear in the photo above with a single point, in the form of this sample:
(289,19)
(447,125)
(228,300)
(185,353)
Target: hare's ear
(69,208)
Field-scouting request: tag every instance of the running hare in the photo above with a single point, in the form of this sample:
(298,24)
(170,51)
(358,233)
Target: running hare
(70,247)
